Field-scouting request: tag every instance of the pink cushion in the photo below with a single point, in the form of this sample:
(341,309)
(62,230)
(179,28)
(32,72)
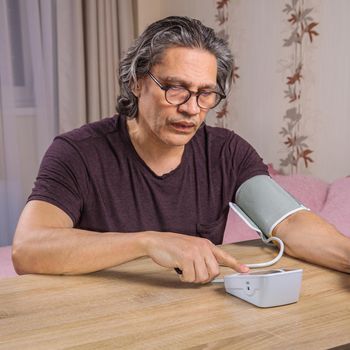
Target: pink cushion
(330,201)
(310,191)
(236,229)
(336,208)
(6,267)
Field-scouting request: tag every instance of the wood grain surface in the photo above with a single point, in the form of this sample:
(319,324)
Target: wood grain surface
(141,305)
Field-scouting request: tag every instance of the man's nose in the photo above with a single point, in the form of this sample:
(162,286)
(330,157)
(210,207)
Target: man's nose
(190,107)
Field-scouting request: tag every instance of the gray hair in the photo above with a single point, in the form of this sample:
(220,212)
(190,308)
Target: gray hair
(148,48)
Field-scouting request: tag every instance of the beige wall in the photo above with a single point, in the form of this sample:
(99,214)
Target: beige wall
(257,103)
(152,10)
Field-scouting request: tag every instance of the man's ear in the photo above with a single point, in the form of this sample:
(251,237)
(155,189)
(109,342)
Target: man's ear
(136,88)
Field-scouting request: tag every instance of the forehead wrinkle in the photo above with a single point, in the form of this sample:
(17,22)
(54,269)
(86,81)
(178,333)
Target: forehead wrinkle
(186,83)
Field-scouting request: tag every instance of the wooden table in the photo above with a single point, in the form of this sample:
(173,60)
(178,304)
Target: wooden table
(140,305)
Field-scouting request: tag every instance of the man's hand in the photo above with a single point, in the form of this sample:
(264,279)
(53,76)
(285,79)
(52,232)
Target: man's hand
(196,257)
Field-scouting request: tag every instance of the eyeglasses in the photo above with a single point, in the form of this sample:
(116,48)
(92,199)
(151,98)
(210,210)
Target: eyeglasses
(178,95)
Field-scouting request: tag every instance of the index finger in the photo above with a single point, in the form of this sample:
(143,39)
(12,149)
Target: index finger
(225,259)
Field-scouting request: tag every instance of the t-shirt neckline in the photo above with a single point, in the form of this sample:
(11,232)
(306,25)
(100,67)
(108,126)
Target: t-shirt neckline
(141,163)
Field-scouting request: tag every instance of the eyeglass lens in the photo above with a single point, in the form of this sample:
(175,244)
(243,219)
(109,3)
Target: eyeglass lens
(180,95)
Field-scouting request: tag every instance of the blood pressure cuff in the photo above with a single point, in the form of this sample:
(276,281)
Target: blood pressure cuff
(265,203)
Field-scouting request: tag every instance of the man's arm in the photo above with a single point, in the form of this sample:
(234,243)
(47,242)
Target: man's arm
(309,237)
(46,242)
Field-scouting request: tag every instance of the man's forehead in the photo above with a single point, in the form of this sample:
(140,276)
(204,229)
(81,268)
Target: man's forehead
(185,53)
(186,65)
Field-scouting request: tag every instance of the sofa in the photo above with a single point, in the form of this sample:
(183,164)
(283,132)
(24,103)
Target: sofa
(6,267)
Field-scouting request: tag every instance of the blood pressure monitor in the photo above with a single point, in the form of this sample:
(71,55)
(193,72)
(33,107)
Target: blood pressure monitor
(263,204)
(266,288)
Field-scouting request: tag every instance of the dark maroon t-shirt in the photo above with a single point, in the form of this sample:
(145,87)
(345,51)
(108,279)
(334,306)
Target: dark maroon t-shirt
(95,175)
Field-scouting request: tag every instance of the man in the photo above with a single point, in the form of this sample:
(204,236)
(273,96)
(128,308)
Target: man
(155,180)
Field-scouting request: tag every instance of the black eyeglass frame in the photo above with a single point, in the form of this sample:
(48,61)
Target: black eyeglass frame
(165,88)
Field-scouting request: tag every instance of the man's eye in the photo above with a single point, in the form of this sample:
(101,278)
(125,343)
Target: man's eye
(206,93)
(177,88)
(177,91)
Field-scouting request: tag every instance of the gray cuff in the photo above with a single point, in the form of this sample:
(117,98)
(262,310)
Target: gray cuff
(266,203)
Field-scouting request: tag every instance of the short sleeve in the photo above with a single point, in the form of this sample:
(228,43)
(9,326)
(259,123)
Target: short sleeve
(62,178)
(246,161)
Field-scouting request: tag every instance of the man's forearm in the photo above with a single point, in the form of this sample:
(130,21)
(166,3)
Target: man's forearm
(74,251)
(310,238)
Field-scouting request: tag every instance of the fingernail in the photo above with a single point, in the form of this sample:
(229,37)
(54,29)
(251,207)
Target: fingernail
(244,268)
